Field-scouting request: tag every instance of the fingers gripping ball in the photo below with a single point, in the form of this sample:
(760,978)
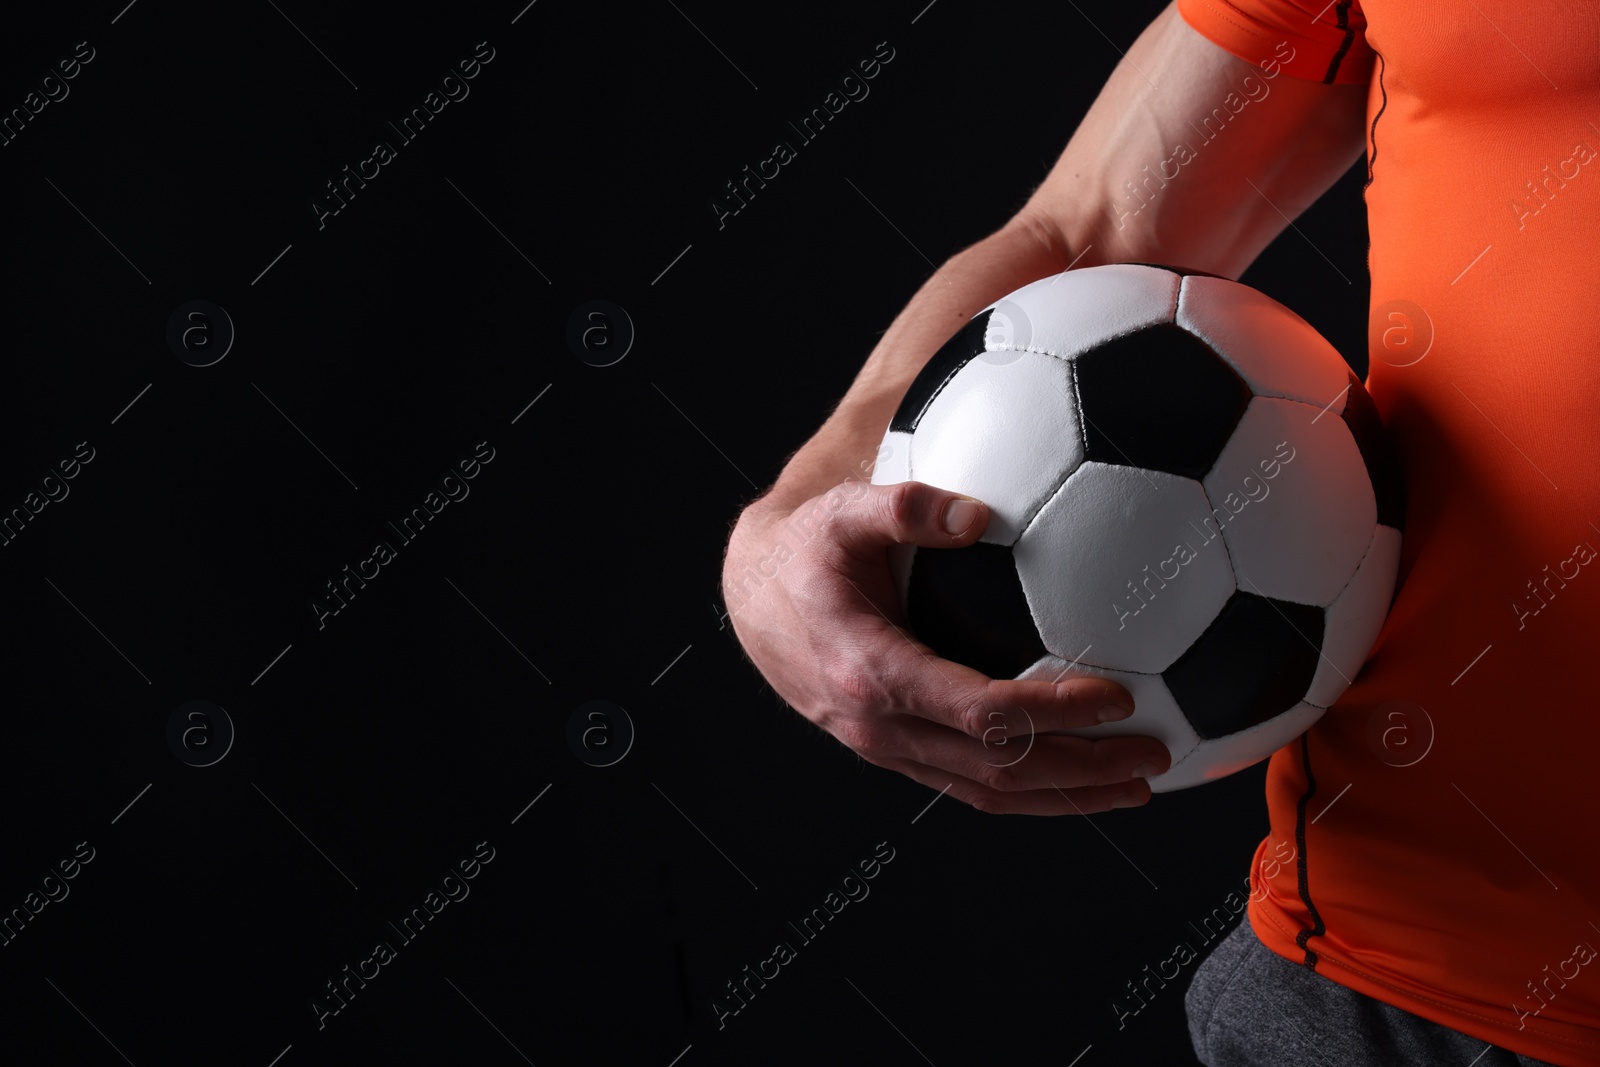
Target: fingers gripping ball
(1189,492)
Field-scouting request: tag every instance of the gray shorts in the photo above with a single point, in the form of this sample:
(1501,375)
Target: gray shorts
(1250,1007)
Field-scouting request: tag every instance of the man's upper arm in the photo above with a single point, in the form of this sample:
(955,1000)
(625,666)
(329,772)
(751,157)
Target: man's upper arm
(1194,156)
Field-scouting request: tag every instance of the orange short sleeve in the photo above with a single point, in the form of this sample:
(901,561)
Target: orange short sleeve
(1327,46)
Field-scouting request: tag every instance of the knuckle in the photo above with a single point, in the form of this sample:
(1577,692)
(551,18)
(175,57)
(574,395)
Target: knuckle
(904,505)
(811,591)
(997,776)
(827,514)
(853,687)
(1068,697)
(827,542)
(866,736)
(840,502)
(974,718)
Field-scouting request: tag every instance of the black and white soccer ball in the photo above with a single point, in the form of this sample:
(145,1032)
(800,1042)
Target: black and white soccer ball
(1189,492)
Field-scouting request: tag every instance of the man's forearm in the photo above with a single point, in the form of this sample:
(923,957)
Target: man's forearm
(969,281)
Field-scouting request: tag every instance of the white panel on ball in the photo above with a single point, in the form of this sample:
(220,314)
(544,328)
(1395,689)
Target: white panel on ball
(893,462)
(1355,618)
(1223,756)
(1155,713)
(1077,310)
(1274,350)
(1006,433)
(1103,565)
(1291,495)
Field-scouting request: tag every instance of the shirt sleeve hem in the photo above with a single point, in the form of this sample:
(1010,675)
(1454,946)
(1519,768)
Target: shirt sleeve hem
(1322,52)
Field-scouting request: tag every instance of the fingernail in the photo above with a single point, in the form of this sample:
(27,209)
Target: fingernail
(959,514)
(1127,800)
(1145,769)
(1111,713)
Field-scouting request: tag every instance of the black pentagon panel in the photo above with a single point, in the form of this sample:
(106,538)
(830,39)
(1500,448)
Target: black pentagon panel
(967,605)
(1160,399)
(951,357)
(1255,661)
(1377,449)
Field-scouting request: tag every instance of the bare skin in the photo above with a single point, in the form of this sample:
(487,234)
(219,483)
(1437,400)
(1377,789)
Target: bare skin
(806,576)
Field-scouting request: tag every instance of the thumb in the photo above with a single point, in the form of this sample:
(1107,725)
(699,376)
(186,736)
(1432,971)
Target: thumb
(907,513)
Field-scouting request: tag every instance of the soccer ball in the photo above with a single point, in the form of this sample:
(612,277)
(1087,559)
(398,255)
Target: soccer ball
(1189,492)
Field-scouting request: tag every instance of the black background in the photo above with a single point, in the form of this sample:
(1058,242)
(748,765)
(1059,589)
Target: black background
(370,358)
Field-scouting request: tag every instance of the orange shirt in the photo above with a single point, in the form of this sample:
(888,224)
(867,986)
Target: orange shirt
(1442,812)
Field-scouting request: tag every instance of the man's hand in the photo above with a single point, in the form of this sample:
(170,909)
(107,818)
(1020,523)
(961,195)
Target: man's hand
(826,629)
